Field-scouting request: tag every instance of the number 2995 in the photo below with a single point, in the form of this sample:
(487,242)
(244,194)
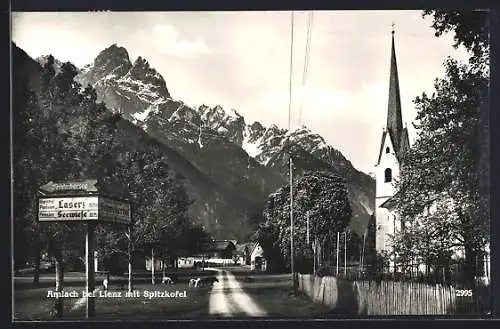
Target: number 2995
(463,292)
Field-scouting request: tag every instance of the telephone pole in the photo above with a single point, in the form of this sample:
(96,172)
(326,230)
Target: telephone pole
(292,262)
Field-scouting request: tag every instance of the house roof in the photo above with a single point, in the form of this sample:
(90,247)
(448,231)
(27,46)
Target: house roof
(389,203)
(220,245)
(240,248)
(252,246)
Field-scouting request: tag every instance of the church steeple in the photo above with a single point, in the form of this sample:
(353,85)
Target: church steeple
(394,117)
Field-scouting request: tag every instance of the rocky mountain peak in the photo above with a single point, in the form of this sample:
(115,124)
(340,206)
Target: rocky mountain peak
(113,60)
(113,52)
(142,71)
(257,126)
(44,58)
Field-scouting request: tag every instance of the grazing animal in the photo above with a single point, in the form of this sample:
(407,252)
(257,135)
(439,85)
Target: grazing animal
(167,280)
(105,284)
(194,282)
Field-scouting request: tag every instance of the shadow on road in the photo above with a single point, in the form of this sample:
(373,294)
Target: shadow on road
(273,293)
(347,304)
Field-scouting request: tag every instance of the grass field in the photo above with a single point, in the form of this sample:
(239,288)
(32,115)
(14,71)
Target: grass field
(33,303)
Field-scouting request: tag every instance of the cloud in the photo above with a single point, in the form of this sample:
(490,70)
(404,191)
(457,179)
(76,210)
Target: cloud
(170,43)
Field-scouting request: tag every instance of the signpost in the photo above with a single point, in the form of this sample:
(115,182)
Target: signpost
(88,202)
(82,208)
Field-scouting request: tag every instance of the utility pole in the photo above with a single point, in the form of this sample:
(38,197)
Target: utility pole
(307,215)
(292,263)
(130,250)
(90,271)
(315,255)
(152,265)
(345,253)
(338,242)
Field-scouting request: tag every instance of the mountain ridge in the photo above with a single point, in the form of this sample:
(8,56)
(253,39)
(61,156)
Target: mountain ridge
(243,159)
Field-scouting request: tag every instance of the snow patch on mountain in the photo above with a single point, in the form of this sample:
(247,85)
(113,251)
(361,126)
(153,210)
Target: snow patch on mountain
(176,115)
(251,147)
(87,68)
(141,116)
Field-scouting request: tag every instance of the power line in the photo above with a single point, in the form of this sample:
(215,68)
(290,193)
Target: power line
(306,61)
(290,78)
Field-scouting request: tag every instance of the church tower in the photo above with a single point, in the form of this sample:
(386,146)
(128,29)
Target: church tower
(393,144)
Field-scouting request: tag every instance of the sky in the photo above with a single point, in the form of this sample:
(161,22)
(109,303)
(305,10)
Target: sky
(241,61)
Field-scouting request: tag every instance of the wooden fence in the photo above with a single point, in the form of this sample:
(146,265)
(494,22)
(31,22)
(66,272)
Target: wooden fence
(386,297)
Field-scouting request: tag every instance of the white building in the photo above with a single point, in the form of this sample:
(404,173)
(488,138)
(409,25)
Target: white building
(257,260)
(393,144)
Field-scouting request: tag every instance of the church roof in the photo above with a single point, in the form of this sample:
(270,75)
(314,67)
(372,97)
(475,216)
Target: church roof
(394,126)
(389,203)
(404,144)
(394,116)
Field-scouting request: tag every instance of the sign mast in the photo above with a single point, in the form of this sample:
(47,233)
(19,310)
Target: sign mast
(85,202)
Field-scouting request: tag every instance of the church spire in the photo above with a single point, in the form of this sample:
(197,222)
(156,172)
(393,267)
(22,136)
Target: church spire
(394,117)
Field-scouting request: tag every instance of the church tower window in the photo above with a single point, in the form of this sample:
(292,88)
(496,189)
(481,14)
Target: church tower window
(388,175)
(387,150)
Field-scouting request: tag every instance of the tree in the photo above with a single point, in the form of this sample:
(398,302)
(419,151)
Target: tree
(159,209)
(56,131)
(446,167)
(60,133)
(321,195)
(267,236)
(470,28)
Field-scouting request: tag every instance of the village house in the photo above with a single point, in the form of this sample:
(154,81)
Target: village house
(257,260)
(220,249)
(240,254)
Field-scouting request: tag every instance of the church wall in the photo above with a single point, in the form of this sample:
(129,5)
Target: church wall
(388,160)
(385,190)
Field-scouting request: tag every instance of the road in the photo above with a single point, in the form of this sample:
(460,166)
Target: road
(228,298)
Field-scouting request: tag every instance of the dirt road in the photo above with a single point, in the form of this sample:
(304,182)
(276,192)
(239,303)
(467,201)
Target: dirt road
(228,299)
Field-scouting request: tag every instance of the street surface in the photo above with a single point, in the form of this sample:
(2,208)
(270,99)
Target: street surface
(228,298)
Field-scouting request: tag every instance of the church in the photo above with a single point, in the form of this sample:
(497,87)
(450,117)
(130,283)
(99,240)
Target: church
(394,143)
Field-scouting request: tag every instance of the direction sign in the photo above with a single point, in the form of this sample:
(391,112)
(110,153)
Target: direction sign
(87,185)
(93,208)
(114,211)
(60,203)
(68,208)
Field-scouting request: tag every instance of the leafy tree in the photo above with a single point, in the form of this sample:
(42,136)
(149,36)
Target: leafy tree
(267,236)
(321,195)
(470,28)
(159,209)
(446,167)
(58,128)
